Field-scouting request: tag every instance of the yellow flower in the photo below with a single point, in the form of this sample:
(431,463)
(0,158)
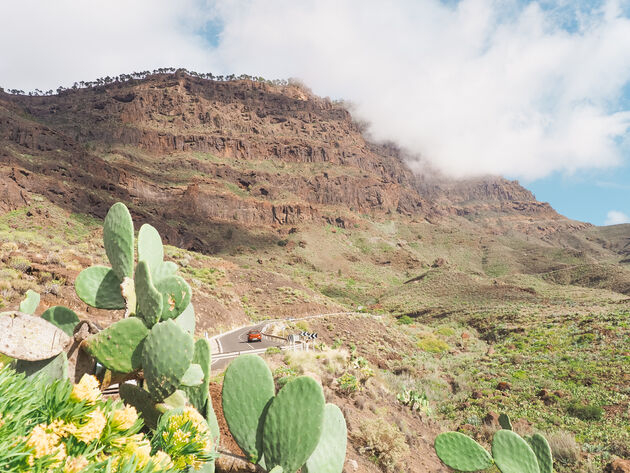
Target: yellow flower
(124,419)
(42,441)
(137,445)
(93,428)
(75,464)
(162,460)
(86,390)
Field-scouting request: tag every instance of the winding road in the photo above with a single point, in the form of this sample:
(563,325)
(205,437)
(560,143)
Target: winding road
(232,343)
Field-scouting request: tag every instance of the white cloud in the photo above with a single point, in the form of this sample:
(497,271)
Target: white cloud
(44,44)
(615,217)
(483,86)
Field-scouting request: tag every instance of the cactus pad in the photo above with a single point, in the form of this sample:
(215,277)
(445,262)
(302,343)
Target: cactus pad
(186,319)
(30,303)
(141,400)
(175,294)
(62,317)
(193,376)
(119,346)
(99,286)
(150,247)
(462,453)
(247,390)
(512,454)
(164,270)
(202,356)
(51,369)
(118,240)
(330,453)
(149,300)
(25,337)
(293,424)
(166,356)
(504,422)
(541,449)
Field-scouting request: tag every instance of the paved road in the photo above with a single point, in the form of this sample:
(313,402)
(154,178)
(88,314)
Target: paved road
(237,341)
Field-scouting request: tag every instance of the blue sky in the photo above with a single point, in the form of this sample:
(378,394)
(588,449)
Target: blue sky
(537,91)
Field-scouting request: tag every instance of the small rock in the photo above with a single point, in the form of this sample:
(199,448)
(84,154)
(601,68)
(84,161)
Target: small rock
(353,465)
(503,386)
(618,466)
(492,418)
(490,351)
(465,336)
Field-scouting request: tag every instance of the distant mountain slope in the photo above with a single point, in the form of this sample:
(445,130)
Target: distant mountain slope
(240,151)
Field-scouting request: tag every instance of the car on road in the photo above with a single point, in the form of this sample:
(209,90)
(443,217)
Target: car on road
(254,336)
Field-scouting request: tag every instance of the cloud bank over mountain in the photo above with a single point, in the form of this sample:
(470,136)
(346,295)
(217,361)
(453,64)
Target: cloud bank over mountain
(473,87)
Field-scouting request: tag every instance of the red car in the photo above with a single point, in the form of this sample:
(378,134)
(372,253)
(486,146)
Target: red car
(254,336)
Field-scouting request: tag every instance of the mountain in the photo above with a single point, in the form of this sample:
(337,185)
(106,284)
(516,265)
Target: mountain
(276,204)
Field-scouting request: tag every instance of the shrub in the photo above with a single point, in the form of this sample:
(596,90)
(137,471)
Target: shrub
(60,427)
(432,345)
(273,351)
(384,441)
(405,320)
(586,411)
(348,383)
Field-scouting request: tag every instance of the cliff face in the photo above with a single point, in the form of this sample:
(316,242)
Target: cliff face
(247,153)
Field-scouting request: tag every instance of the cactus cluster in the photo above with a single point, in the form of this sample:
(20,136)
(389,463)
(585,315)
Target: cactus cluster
(156,336)
(510,452)
(49,335)
(285,432)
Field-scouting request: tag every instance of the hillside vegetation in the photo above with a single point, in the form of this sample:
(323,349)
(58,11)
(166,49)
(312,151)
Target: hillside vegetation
(275,206)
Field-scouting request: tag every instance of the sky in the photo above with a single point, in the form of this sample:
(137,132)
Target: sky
(537,91)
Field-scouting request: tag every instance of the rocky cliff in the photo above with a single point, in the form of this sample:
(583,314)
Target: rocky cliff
(185,149)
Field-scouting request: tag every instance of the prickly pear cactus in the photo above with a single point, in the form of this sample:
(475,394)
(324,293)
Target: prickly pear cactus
(150,247)
(99,286)
(330,453)
(24,337)
(149,300)
(202,356)
(119,346)
(175,296)
(141,400)
(30,303)
(461,453)
(62,317)
(186,319)
(118,240)
(504,422)
(248,388)
(541,449)
(166,356)
(51,369)
(512,454)
(293,424)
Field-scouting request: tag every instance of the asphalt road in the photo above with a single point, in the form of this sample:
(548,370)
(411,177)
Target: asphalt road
(237,341)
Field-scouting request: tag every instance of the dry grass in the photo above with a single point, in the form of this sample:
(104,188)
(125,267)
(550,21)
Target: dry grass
(382,441)
(564,447)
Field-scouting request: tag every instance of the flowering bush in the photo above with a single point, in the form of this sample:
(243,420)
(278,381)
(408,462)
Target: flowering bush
(61,428)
